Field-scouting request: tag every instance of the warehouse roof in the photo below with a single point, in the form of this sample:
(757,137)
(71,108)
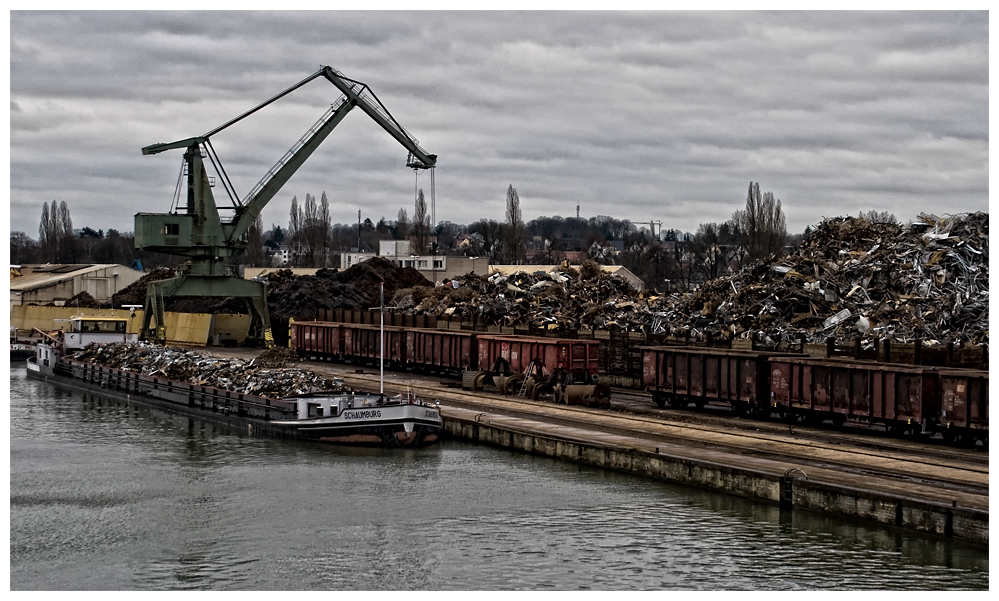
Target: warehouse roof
(39,276)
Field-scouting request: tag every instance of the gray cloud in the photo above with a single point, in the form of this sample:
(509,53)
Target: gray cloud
(639,115)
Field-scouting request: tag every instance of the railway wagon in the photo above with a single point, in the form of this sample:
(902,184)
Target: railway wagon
(579,357)
(904,398)
(361,344)
(964,405)
(678,376)
(441,351)
(566,368)
(317,339)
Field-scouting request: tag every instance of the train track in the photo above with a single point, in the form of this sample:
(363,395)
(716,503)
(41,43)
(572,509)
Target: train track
(873,438)
(633,414)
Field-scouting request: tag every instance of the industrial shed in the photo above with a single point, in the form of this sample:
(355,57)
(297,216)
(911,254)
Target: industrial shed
(55,284)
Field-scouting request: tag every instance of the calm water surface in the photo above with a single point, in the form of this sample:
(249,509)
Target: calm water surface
(115,496)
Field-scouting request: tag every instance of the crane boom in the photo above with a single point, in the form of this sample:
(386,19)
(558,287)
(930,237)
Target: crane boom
(202,235)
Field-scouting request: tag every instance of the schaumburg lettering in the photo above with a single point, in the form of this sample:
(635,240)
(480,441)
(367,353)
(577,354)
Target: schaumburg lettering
(362,414)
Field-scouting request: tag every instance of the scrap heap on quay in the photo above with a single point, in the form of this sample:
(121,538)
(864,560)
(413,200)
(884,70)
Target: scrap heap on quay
(851,278)
(270,375)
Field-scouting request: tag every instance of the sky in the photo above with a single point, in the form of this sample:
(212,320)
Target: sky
(647,116)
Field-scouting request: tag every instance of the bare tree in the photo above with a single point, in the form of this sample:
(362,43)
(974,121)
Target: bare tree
(255,244)
(47,235)
(878,216)
(325,233)
(762,224)
(491,234)
(294,236)
(516,243)
(421,224)
(309,230)
(67,245)
(22,249)
(402,225)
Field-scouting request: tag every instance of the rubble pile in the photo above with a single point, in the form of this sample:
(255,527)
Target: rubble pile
(83,300)
(355,288)
(852,279)
(567,299)
(254,377)
(277,357)
(135,294)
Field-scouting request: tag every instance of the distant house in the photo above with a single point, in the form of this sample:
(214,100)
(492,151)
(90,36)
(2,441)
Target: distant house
(56,284)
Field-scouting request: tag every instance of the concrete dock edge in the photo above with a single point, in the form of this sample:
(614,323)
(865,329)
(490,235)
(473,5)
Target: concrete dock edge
(788,490)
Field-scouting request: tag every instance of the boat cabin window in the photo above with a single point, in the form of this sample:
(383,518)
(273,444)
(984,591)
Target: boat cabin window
(114,326)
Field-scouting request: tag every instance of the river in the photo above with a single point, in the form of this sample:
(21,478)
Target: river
(110,495)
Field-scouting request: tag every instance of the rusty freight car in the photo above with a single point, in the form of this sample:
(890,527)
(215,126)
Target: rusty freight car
(441,351)
(566,369)
(678,376)
(964,405)
(903,398)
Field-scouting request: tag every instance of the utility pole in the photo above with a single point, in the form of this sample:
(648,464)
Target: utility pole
(358,230)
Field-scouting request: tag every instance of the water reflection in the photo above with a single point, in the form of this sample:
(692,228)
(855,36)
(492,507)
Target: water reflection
(109,494)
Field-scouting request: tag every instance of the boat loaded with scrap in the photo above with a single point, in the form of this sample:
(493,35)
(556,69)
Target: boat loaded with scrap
(279,401)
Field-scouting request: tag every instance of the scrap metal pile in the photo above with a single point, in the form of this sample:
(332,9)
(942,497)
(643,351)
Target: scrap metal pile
(568,299)
(854,279)
(851,278)
(262,376)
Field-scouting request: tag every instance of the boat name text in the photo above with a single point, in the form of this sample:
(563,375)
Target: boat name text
(362,414)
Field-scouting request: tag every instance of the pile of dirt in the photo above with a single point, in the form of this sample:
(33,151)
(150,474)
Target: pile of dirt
(83,300)
(289,296)
(135,294)
(278,357)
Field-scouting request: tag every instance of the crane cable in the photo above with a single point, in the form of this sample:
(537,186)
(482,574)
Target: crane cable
(433,195)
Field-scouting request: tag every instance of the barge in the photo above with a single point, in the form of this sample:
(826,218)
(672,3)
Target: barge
(342,418)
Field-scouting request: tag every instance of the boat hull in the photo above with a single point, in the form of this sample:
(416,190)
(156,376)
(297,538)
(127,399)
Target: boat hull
(351,418)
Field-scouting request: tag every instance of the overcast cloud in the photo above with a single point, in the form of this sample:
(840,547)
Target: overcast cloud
(649,115)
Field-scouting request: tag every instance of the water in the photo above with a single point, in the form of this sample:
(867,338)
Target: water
(114,496)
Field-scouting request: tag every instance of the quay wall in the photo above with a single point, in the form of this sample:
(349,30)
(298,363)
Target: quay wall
(790,490)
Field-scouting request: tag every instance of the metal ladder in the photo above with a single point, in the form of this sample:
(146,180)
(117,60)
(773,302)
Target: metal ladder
(523,384)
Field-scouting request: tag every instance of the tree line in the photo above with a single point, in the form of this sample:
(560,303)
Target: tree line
(668,260)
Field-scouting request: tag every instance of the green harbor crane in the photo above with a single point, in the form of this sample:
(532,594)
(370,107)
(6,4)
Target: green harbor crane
(197,230)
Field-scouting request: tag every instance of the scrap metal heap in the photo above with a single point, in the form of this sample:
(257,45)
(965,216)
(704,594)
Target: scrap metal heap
(851,279)
(265,375)
(569,299)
